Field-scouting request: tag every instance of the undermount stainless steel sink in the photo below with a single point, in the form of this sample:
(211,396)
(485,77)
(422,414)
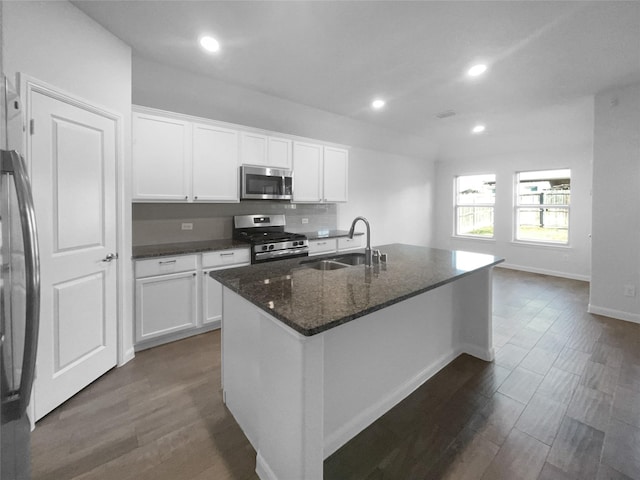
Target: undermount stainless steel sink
(325,265)
(337,262)
(350,258)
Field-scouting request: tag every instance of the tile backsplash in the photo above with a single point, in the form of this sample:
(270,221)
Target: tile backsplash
(160,223)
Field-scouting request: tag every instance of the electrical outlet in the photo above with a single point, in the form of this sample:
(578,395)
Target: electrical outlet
(305,220)
(629,290)
(187,226)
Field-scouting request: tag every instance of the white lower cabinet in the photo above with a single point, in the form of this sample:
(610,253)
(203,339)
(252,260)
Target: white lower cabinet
(346,243)
(165,304)
(176,297)
(323,246)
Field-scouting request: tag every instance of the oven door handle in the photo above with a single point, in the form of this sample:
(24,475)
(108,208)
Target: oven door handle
(281,253)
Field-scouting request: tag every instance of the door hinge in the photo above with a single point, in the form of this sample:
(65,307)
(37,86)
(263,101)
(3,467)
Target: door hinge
(32,126)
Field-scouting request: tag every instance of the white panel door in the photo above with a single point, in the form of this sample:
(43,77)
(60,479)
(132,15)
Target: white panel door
(280,152)
(72,154)
(307,172)
(215,164)
(211,299)
(161,158)
(253,149)
(336,169)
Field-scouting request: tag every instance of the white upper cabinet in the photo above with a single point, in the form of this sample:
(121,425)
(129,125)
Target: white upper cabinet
(320,174)
(307,172)
(280,152)
(258,149)
(215,164)
(253,148)
(336,174)
(161,158)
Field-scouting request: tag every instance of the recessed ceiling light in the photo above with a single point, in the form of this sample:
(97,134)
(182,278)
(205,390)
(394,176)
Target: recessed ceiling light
(477,70)
(377,104)
(478,129)
(210,44)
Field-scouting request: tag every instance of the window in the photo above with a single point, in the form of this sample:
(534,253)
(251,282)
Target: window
(542,206)
(475,200)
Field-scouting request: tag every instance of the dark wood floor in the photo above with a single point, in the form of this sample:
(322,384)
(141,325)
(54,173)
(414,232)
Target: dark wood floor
(561,401)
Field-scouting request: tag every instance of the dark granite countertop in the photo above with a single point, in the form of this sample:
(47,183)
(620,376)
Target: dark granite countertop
(311,301)
(184,248)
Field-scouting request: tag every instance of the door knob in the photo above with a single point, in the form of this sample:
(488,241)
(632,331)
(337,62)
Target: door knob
(110,256)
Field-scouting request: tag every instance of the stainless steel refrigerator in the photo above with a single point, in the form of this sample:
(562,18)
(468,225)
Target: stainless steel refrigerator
(20,293)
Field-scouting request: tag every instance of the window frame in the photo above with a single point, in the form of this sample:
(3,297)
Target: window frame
(457,205)
(517,207)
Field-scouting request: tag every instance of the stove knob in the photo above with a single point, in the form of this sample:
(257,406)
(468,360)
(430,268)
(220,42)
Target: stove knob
(264,247)
(271,247)
(295,244)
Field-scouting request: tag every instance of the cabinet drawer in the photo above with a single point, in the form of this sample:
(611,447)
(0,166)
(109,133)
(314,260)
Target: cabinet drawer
(327,245)
(346,243)
(165,265)
(226,258)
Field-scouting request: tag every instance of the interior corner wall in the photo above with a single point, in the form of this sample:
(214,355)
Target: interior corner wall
(391,175)
(55,43)
(541,151)
(616,203)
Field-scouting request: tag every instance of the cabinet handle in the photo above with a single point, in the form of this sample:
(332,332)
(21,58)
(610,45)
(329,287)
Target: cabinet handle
(227,254)
(195,198)
(194,274)
(167,262)
(321,243)
(186,197)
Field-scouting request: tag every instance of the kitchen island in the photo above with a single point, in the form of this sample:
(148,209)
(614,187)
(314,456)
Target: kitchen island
(311,357)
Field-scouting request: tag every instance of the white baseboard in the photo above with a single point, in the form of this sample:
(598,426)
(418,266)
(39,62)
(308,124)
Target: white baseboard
(127,357)
(481,353)
(262,469)
(544,271)
(617,314)
(337,439)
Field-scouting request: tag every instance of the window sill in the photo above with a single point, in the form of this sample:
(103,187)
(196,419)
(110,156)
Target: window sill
(481,239)
(526,243)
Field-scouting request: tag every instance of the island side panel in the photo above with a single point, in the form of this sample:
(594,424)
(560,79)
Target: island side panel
(273,387)
(374,362)
(474,313)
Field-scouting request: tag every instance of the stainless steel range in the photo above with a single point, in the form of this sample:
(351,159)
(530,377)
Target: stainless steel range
(268,239)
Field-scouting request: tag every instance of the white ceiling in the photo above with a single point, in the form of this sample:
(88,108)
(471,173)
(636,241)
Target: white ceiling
(338,55)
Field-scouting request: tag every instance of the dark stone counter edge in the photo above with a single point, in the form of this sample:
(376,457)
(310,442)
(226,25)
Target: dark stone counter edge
(172,249)
(316,330)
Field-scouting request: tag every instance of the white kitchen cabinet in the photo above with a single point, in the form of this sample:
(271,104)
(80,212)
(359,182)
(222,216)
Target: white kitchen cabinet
(212,289)
(335,175)
(346,243)
(322,246)
(161,158)
(253,148)
(280,153)
(307,172)
(215,164)
(165,304)
(264,150)
(176,297)
(320,173)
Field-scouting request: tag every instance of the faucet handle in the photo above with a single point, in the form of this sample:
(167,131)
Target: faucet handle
(383,258)
(375,254)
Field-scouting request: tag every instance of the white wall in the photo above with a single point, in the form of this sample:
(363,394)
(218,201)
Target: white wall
(559,137)
(55,43)
(616,203)
(390,174)
(395,193)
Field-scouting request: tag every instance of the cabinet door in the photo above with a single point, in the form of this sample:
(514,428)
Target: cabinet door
(165,304)
(280,151)
(253,148)
(307,172)
(211,300)
(161,158)
(320,247)
(215,164)
(336,170)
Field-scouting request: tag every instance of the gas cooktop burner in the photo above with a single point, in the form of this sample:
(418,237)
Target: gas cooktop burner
(268,239)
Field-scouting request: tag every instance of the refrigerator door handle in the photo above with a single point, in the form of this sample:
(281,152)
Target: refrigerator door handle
(13,164)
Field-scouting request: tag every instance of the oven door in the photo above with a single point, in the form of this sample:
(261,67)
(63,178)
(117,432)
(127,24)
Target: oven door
(266,183)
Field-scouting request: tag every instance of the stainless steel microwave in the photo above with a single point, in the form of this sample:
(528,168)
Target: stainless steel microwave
(264,183)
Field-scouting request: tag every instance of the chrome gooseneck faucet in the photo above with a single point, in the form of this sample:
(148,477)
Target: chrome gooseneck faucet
(368,255)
